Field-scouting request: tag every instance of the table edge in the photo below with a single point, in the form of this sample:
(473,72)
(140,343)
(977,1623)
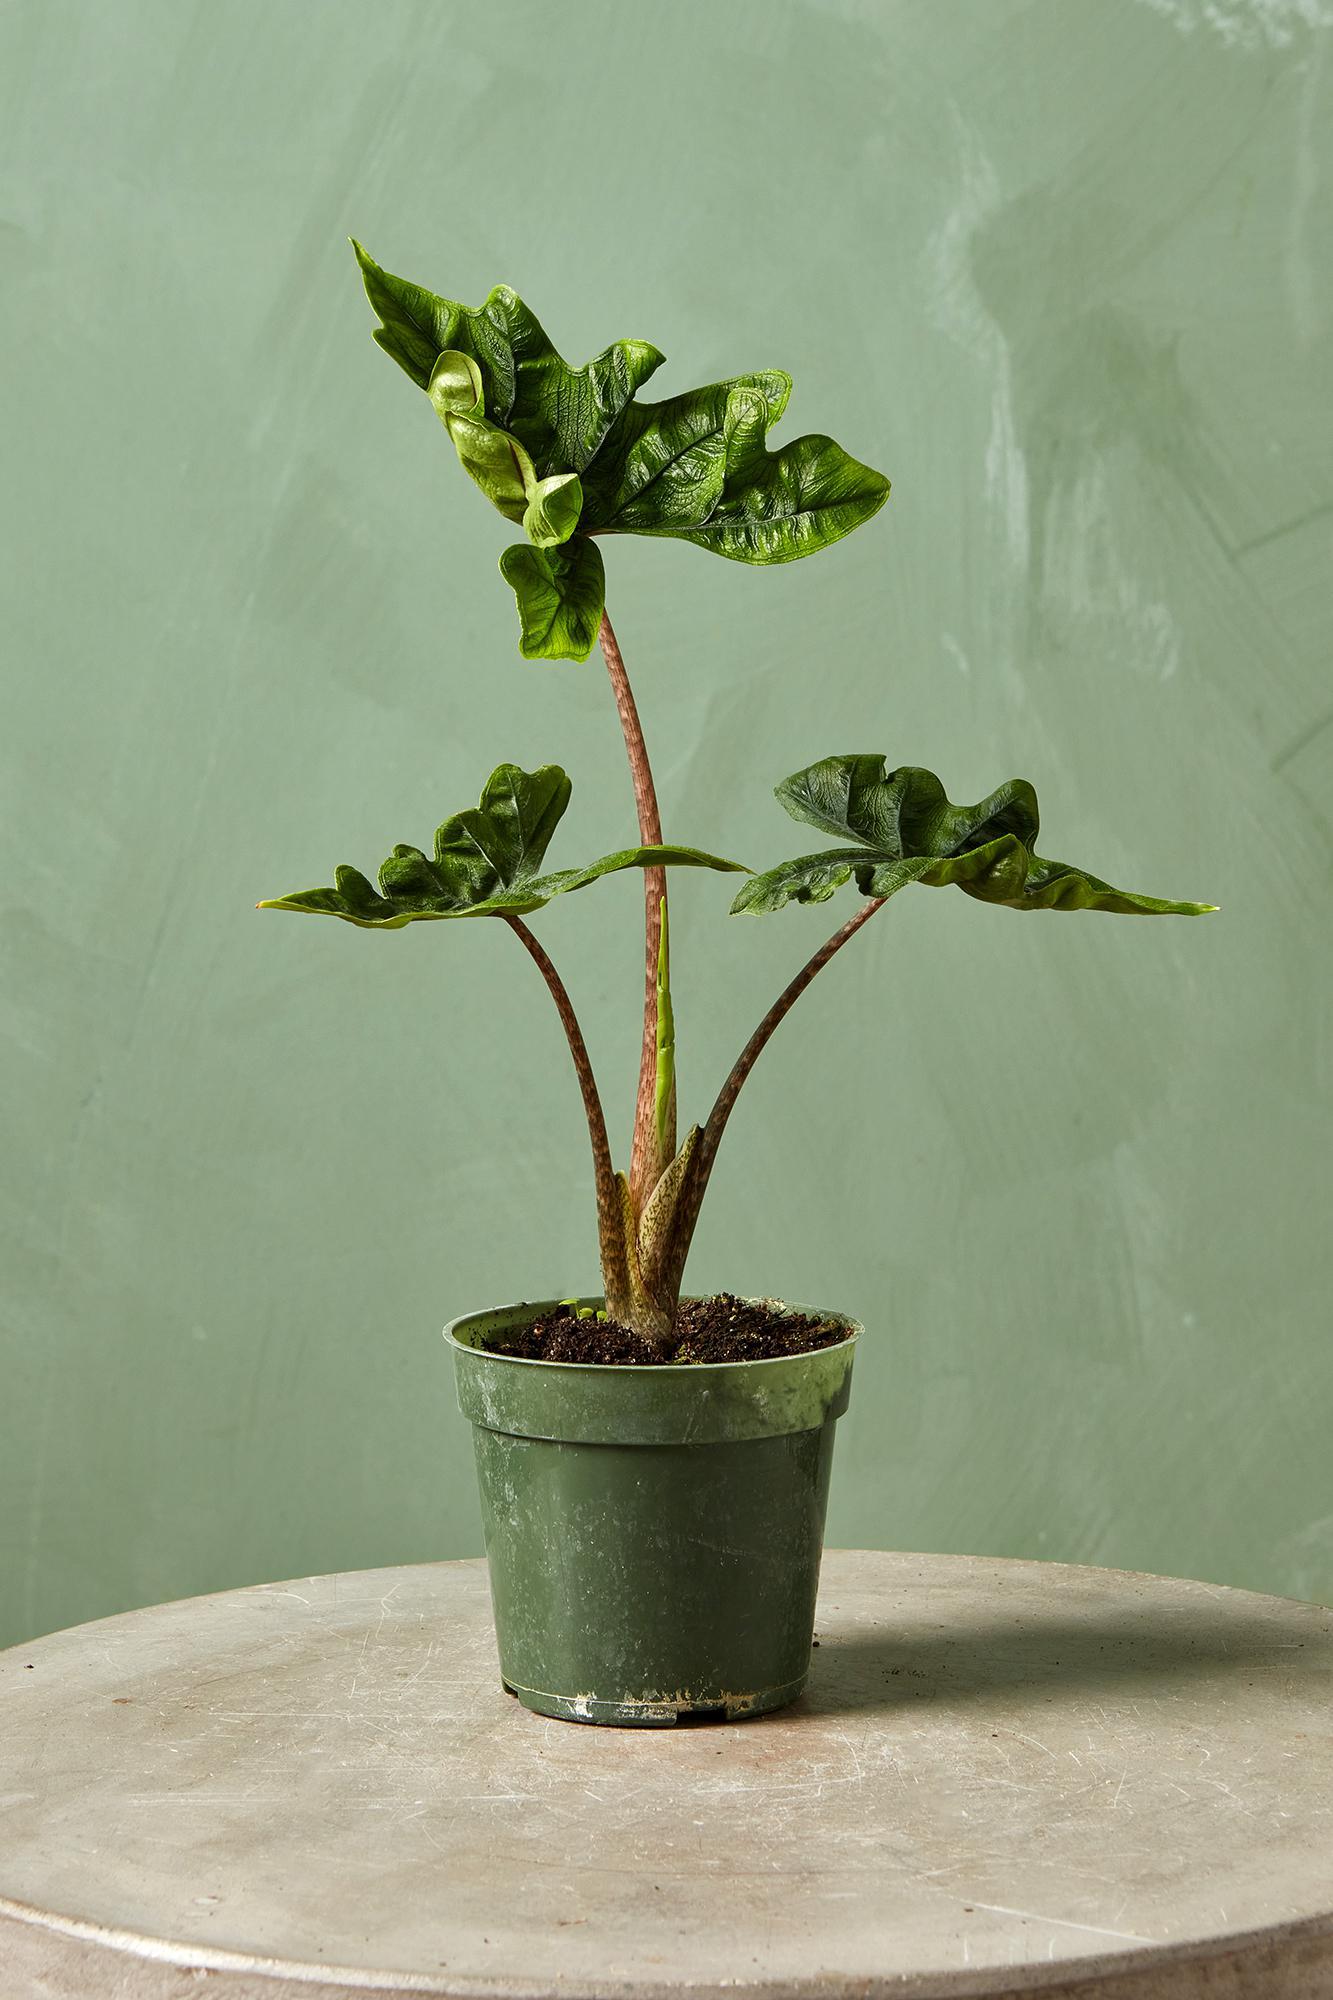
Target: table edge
(1125,1974)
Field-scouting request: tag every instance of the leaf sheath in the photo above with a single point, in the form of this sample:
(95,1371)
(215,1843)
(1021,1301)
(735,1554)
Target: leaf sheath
(700,1166)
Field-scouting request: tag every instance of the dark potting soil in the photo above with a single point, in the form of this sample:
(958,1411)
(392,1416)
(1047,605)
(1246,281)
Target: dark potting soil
(719,1329)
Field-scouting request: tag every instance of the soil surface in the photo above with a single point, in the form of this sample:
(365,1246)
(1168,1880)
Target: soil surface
(719,1329)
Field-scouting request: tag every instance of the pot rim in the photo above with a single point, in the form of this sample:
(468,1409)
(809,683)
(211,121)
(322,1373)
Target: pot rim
(649,1368)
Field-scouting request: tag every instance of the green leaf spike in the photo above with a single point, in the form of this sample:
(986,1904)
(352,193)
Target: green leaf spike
(665,1095)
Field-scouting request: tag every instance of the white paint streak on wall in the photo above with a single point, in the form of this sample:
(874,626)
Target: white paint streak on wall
(1087,570)
(1299,265)
(956,306)
(1246,24)
(956,653)
(958,309)
(1146,1231)
(1083,575)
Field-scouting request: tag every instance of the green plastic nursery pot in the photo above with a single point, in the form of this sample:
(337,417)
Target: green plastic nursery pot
(654,1533)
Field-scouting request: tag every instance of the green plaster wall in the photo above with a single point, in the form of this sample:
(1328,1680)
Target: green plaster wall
(1063,269)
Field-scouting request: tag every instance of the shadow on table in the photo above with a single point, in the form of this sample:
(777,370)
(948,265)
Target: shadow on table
(1121,1651)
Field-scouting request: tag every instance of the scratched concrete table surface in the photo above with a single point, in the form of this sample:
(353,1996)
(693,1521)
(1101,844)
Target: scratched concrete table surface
(1004,1778)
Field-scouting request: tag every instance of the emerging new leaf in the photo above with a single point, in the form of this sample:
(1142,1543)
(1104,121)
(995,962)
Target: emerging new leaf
(455,386)
(906,830)
(548,508)
(485,862)
(496,462)
(553,509)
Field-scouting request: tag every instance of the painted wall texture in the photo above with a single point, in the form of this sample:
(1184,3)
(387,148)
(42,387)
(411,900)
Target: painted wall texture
(1063,269)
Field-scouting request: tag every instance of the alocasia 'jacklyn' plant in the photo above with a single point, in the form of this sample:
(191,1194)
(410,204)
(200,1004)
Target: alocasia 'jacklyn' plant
(572,457)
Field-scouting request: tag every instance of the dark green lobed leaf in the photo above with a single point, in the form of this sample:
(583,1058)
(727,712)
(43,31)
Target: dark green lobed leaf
(485,862)
(778,506)
(663,466)
(559,414)
(906,830)
(695,467)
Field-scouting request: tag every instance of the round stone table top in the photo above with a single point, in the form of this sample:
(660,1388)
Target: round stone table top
(1005,1778)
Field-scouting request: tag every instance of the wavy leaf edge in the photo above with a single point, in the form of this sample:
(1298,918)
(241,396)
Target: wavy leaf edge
(907,830)
(571,453)
(485,863)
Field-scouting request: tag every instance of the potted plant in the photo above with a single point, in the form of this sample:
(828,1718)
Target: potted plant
(653,1469)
